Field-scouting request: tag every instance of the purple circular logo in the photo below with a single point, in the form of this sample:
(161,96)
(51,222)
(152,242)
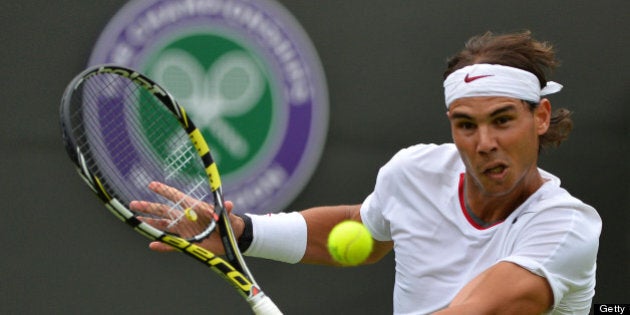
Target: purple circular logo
(250,79)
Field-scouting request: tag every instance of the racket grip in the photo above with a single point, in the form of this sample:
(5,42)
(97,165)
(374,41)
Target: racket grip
(263,305)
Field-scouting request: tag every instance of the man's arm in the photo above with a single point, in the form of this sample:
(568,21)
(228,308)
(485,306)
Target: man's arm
(320,221)
(505,288)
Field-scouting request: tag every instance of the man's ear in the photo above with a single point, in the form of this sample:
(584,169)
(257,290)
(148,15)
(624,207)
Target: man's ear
(542,116)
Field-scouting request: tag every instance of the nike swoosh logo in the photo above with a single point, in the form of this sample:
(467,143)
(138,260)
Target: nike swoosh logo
(469,79)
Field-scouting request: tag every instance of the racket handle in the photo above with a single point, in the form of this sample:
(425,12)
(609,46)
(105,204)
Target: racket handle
(263,305)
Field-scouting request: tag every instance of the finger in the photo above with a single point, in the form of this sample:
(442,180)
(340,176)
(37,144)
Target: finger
(180,198)
(171,194)
(156,209)
(228,206)
(161,247)
(159,224)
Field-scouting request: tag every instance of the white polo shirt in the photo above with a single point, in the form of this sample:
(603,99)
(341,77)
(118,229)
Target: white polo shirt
(418,203)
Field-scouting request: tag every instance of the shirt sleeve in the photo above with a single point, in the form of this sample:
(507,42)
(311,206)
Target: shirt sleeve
(381,205)
(374,220)
(561,244)
(373,207)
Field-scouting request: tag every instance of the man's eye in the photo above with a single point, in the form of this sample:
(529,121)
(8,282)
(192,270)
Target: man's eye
(466,125)
(502,120)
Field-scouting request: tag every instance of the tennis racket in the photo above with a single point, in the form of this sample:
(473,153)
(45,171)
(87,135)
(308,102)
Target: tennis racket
(144,158)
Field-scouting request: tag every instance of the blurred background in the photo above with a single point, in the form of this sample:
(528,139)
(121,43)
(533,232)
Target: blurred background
(64,253)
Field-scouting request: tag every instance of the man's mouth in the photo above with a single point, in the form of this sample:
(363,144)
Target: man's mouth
(496,170)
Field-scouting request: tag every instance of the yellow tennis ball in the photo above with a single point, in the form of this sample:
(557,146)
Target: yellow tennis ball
(350,243)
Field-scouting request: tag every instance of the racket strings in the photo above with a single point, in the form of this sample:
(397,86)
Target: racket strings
(130,140)
(179,159)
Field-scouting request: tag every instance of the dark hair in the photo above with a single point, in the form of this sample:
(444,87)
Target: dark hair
(518,50)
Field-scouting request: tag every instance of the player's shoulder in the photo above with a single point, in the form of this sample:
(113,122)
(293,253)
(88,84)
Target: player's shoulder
(429,156)
(555,196)
(555,204)
(417,164)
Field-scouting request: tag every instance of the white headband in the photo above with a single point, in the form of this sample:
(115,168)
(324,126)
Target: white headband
(495,80)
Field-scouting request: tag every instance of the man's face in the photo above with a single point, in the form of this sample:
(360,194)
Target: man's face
(497,138)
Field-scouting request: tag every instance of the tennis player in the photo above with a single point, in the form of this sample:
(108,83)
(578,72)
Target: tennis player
(475,225)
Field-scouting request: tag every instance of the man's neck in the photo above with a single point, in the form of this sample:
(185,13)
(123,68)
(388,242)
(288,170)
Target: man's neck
(493,208)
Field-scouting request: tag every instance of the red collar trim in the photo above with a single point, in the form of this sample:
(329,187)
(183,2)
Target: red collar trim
(462,204)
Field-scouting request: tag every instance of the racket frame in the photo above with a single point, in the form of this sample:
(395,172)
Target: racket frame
(234,269)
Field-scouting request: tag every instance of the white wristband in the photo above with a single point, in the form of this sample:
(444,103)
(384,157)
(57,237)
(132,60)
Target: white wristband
(280,237)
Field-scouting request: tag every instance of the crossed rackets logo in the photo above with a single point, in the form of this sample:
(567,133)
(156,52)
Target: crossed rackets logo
(249,78)
(230,88)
